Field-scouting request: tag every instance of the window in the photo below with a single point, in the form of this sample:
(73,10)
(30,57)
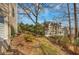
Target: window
(1,19)
(2,26)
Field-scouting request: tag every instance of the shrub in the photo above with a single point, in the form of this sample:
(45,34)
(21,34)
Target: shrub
(76,41)
(12,32)
(65,41)
(56,39)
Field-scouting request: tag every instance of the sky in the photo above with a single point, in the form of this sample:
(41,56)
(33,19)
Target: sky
(54,12)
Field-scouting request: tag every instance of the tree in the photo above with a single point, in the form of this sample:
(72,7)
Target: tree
(69,21)
(28,11)
(75,20)
(76,31)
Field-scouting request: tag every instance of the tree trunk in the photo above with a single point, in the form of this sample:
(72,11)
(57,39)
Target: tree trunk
(36,24)
(69,22)
(75,19)
(37,12)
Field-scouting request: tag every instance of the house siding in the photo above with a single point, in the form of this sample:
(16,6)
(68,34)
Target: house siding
(9,20)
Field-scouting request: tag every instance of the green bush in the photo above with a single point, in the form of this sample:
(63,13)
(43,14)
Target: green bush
(76,41)
(57,39)
(31,28)
(12,32)
(65,41)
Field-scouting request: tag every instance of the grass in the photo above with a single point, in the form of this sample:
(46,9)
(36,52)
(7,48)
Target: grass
(48,50)
(45,45)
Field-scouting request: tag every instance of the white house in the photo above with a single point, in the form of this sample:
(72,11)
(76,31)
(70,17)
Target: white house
(53,29)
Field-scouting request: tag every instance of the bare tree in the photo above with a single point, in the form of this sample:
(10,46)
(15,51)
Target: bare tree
(75,19)
(35,12)
(37,6)
(69,21)
(76,31)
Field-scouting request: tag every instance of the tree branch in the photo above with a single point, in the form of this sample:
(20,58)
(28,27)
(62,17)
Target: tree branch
(27,14)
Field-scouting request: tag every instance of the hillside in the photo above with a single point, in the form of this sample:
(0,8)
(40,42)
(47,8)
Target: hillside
(30,44)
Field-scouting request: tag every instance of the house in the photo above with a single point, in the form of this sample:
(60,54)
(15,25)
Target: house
(53,29)
(8,20)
